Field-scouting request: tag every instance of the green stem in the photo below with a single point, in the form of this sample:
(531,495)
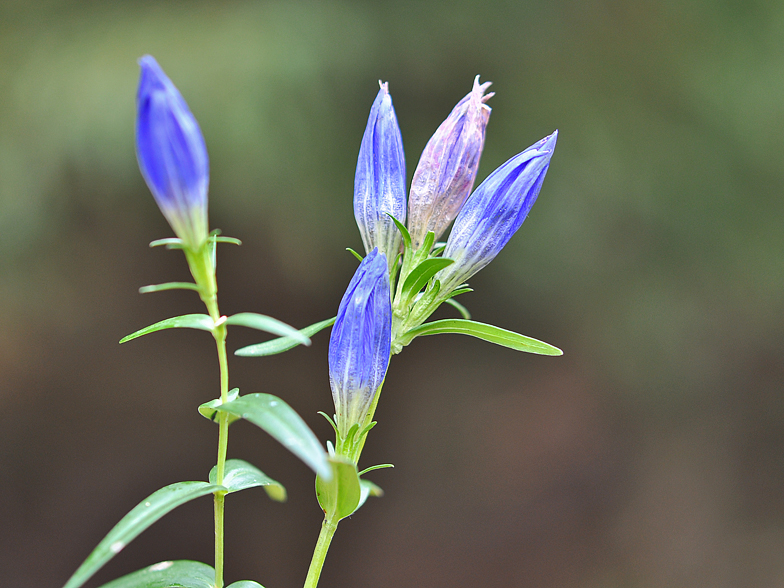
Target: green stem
(328,529)
(223,442)
(202,268)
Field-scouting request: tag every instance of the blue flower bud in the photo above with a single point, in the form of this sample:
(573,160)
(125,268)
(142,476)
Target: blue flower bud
(380,181)
(359,347)
(494,212)
(447,169)
(171,153)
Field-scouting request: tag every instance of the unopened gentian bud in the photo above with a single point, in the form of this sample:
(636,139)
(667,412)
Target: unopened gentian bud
(359,347)
(172,154)
(447,169)
(494,212)
(380,180)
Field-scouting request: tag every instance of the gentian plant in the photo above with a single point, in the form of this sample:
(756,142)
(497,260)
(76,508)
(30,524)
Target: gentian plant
(404,276)
(423,274)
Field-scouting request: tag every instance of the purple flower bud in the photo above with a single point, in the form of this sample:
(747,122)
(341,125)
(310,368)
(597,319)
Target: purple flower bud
(171,153)
(494,212)
(447,169)
(380,181)
(359,347)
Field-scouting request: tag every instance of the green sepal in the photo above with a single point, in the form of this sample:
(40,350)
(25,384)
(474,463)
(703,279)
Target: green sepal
(209,410)
(395,269)
(438,249)
(169,286)
(424,306)
(367,488)
(380,466)
(186,321)
(460,291)
(240,475)
(330,420)
(482,331)
(403,231)
(143,515)
(282,344)
(420,276)
(460,308)
(231,240)
(279,420)
(170,242)
(354,253)
(168,574)
(262,322)
(339,496)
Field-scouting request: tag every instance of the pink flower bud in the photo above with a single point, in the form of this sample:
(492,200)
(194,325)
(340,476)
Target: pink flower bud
(447,169)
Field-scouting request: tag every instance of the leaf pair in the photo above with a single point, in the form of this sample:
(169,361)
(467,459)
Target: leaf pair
(239,475)
(277,418)
(345,492)
(203,322)
(180,574)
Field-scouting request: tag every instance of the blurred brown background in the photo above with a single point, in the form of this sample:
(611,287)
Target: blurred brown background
(651,454)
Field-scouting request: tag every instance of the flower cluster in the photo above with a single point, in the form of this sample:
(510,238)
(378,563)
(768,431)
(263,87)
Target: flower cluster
(427,274)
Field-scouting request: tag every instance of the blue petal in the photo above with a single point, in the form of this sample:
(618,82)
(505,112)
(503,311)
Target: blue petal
(171,152)
(379,183)
(495,211)
(360,343)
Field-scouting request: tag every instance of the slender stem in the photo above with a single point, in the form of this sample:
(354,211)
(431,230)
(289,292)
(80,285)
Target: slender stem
(223,442)
(328,529)
(202,268)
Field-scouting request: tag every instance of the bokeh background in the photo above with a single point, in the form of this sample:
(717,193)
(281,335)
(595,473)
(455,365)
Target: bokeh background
(651,454)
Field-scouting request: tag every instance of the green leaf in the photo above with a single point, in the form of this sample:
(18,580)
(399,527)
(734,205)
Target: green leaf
(423,252)
(277,418)
(209,410)
(403,231)
(168,574)
(186,321)
(438,249)
(460,291)
(268,324)
(367,488)
(168,286)
(231,240)
(380,466)
(131,525)
(460,308)
(245,584)
(485,332)
(170,242)
(339,496)
(239,475)
(282,343)
(354,253)
(421,274)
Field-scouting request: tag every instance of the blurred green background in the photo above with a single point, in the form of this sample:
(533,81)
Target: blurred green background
(651,454)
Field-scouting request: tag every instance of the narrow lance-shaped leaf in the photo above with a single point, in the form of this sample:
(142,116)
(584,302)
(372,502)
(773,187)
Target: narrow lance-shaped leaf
(168,574)
(262,322)
(168,286)
(131,525)
(186,321)
(282,344)
(485,332)
(277,418)
(421,274)
(240,475)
